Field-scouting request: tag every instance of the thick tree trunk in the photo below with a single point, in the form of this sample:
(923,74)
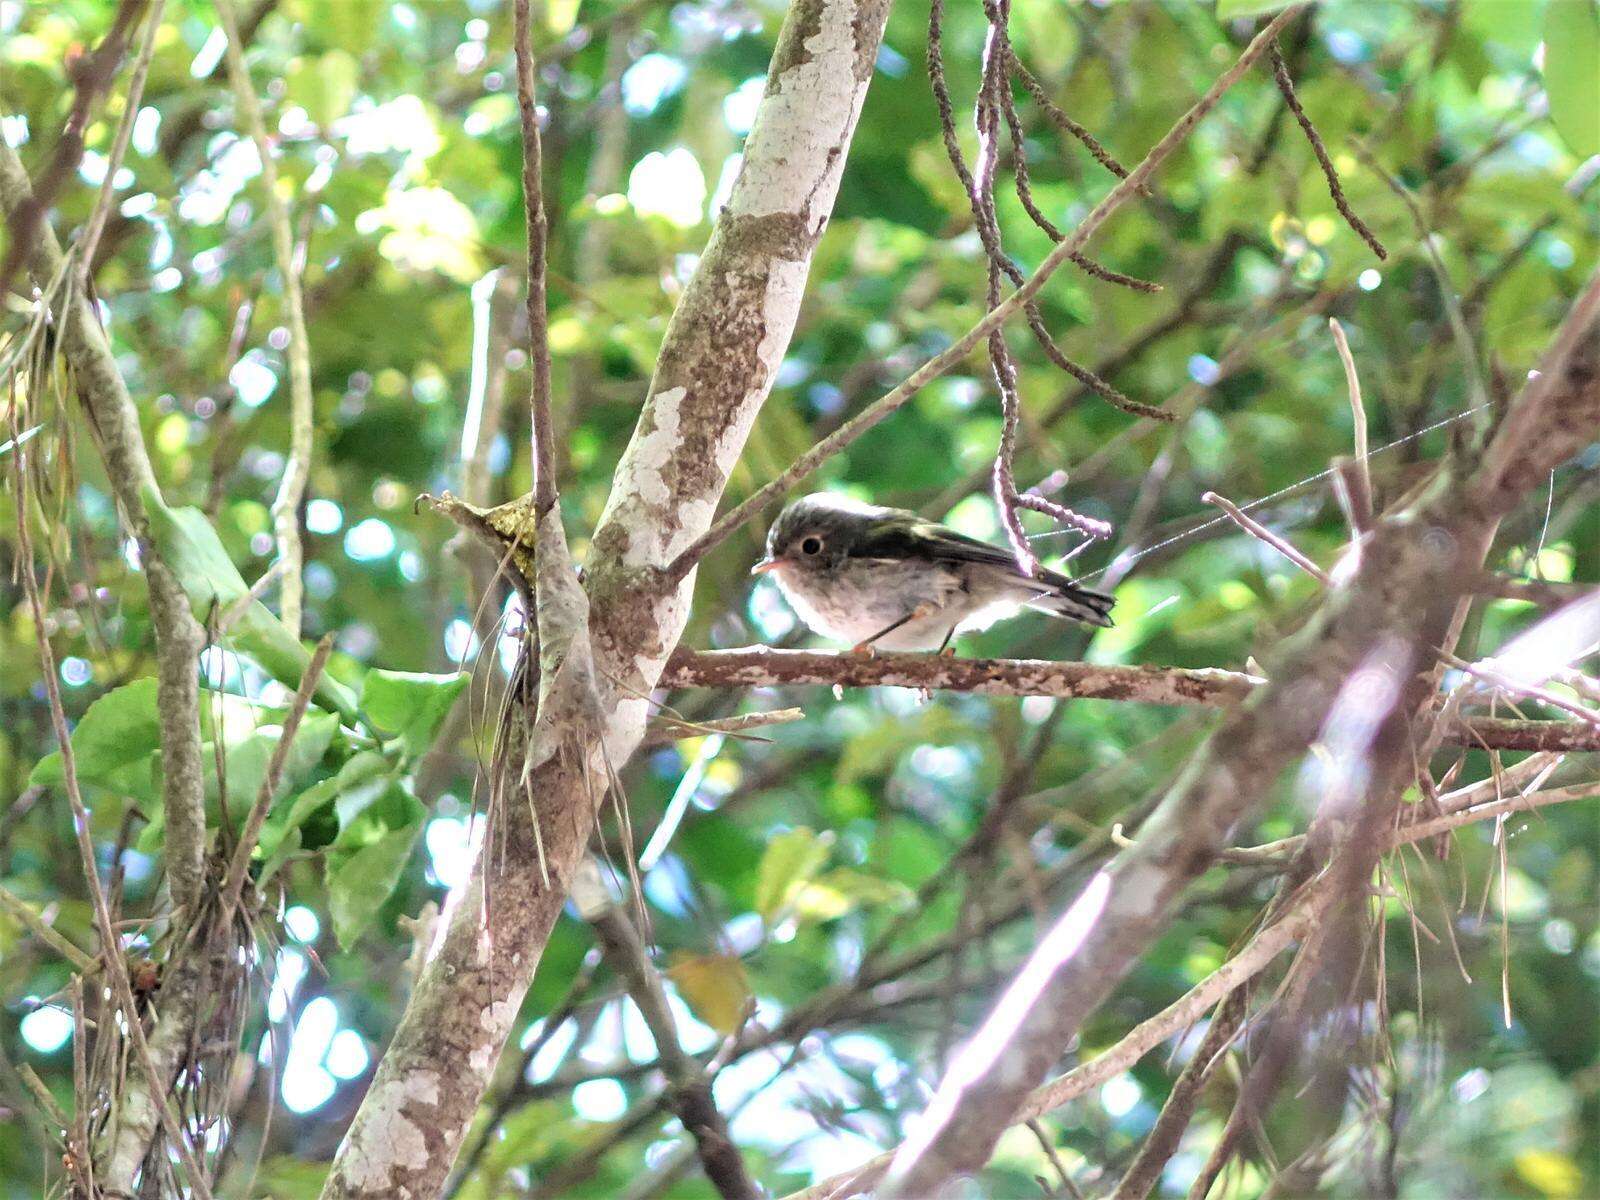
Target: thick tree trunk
(717,364)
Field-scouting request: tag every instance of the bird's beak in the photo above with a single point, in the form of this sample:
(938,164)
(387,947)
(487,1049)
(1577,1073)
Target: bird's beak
(765,565)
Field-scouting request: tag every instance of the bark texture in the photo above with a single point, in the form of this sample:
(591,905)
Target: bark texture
(760,666)
(603,651)
(1397,610)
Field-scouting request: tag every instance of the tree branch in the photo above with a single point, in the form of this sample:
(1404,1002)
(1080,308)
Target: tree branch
(688,1081)
(302,416)
(1210,687)
(544,454)
(936,366)
(716,366)
(1414,567)
(114,421)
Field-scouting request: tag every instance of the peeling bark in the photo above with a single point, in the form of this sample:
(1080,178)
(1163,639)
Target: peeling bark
(721,351)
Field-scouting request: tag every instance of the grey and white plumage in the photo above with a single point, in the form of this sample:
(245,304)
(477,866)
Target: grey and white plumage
(861,573)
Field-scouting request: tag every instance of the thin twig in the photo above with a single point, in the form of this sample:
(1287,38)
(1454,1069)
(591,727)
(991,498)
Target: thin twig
(111,950)
(23,914)
(544,455)
(238,867)
(90,75)
(302,416)
(119,147)
(664,730)
(1361,498)
(1179,1108)
(1133,1046)
(936,366)
(1259,531)
(1280,75)
(1441,273)
(688,1081)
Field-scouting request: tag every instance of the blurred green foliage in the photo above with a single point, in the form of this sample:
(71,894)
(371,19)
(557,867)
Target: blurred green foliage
(397,140)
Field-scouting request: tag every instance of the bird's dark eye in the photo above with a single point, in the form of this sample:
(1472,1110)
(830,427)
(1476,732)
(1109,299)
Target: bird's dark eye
(811,545)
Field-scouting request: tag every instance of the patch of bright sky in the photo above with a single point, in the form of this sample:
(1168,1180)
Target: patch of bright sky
(451,845)
(145,128)
(220,668)
(650,81)
(1119,1095)
(139,205)
(460,642)
(286,977)
(668,185)
(369,540)
(47,1028)
(725,182)
(307,1084)
(739,109)
(1203,369)
(209,54)
(302,923)
(511,626)
(205,199)
(551,1055)
(253,379)
(778,1112)
(768,611)
(401,125)
(15,130)
(348,1055)
(324,516)
(599,1100)
(93,167)
(429,230)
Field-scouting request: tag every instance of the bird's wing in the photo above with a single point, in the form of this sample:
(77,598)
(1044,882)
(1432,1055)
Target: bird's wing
(906,535)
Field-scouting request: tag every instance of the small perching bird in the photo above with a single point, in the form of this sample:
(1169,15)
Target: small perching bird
(887,578)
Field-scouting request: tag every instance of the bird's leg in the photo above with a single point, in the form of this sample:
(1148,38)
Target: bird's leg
(945,648)
(917,613)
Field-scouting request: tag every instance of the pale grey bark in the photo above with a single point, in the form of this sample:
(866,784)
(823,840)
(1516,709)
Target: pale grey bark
(604,651)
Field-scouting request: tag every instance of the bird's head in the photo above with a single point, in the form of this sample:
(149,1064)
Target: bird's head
(815,534)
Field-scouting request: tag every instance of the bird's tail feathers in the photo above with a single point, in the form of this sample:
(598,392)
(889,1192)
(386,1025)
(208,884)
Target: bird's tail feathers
(1073,601)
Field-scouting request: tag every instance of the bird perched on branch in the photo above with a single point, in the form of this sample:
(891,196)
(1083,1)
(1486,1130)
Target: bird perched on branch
(887,578)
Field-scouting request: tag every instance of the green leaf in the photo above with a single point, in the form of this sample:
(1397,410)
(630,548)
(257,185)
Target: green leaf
(1572,72)
(359,883)
(836,892)
(714,986)
(190,546)
(323,85)
(347,24)
(1228,10)
(791,860)
(281,835)
(120,730)
(248,759)
(410,704)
